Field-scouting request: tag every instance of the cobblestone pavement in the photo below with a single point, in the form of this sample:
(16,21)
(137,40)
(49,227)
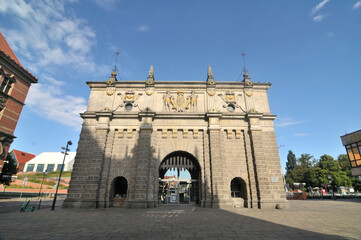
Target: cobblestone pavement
(311,219)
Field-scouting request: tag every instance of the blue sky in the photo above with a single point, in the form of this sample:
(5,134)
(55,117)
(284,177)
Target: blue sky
(309,50)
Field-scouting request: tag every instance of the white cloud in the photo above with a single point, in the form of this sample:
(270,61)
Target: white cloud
(53,36)
(106,4)
(45,36)
(284,122)
(47,100)
(319,6)
(319,18)
(143,28)
(357,5)
(302,134)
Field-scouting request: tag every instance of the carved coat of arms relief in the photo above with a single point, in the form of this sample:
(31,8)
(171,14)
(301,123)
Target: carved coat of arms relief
(180,103)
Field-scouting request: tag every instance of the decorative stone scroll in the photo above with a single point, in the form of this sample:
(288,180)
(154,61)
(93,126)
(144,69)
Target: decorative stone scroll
(231,101)
(130,100)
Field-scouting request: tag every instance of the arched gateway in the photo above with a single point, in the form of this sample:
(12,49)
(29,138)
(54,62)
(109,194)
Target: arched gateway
(176,189)
(135,131)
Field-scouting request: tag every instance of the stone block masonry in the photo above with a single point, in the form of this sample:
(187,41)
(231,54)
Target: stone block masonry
(133,132)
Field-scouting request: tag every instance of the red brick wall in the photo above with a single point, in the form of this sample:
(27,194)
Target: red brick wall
(9,116)
(11,113)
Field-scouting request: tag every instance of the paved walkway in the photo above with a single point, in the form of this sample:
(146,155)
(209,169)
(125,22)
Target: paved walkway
(311,219)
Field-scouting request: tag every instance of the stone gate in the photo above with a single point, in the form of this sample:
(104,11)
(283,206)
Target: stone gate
(221,132)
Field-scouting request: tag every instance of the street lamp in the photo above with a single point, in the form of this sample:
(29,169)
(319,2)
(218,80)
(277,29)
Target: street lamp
(69,143)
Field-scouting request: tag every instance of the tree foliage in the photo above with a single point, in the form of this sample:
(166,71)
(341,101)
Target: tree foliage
(10,167)
(321,172)
(291,161)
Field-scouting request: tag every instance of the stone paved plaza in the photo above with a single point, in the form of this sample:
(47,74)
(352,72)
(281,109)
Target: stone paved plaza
(311,219)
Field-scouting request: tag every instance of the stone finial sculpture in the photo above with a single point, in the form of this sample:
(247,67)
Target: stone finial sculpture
(150,80)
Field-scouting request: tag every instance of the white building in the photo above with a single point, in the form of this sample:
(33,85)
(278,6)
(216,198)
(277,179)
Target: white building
(49,162)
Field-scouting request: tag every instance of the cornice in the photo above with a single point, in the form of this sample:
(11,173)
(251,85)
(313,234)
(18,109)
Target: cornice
(15,68)
(177,84)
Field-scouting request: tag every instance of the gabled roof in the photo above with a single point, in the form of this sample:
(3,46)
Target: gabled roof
(5,48)
(22,157)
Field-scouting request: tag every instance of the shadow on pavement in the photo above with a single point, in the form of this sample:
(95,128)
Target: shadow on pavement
(175,222)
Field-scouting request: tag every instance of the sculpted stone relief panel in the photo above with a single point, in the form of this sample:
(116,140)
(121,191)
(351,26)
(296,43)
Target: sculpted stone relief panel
(180,101)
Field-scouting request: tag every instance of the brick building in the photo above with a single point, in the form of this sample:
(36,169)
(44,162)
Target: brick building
(15,82)
(21,158)
(133,132)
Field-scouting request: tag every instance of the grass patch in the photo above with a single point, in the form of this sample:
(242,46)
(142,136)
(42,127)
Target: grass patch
(34,180)
(19,186)
(65,174)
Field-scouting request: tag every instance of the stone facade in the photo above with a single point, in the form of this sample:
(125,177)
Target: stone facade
(131,127)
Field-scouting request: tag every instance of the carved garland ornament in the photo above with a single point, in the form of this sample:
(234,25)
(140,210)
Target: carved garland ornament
(110,88)
(248,94)
(149,93)
(212,93)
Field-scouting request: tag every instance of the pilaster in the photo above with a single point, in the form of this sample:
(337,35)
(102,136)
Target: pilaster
(268,176)
(207,191)
(218,165)
(142,194)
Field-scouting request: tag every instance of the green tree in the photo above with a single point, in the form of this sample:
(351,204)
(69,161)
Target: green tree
(344,163)
(10,167)
(291,161)
(346,167)
(301,172)
(306,160)
(326,167)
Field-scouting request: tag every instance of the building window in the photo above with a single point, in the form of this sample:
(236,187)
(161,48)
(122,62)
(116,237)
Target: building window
(353,152)
(59,167)
(6,85)
(30,168)
(40,168)
(50,168)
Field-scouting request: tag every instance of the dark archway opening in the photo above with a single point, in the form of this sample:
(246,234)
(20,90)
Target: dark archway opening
(176,189)
(239,189)
(118,191)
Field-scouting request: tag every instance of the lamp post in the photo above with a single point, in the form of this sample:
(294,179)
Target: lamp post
(69,143)
(42,182)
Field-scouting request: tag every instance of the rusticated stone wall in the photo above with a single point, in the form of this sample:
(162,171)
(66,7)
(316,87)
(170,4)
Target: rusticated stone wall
(130,127)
